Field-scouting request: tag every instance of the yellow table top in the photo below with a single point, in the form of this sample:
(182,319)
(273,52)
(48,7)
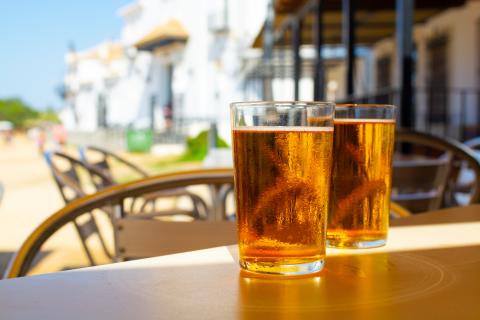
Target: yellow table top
(430,269)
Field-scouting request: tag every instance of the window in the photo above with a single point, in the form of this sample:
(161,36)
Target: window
(384,79)
(437,80)
(86,87)
(384,66)
(101,112)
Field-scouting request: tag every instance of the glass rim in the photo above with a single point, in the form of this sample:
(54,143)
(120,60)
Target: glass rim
(284,103)
(365,105)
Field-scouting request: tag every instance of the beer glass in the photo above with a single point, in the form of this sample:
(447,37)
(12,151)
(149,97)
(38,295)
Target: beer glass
(362,175)
(282,157)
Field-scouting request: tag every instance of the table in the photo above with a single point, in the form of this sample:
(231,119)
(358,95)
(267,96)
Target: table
(430,269)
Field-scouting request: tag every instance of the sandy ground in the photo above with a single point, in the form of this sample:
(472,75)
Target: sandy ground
(30,197)
(30,193)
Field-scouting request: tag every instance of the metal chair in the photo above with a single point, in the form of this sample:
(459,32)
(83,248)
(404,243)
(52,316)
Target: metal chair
(397,211)
(105,160)
(136,236)
(465,176)
(423,180)
(102,158)
(70,186)
(420,184)
(473,143)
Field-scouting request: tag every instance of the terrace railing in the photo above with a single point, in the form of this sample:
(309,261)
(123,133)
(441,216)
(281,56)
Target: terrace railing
(452,112)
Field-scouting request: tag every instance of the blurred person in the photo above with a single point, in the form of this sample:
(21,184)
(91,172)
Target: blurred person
(59,135)
(168,115)
(8,136)
(41,138)
(6,130)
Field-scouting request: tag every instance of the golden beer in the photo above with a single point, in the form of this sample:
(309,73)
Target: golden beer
(361,185)
(282,183)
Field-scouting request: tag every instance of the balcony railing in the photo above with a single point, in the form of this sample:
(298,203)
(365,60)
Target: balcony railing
(453,112)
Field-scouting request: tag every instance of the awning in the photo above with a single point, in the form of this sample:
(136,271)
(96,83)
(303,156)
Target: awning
(163,35)
(375,20)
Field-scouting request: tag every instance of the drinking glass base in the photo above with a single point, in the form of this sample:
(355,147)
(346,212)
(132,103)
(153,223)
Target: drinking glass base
(356,244)
(282,269)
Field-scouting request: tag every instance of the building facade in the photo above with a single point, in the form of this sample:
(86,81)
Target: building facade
(446,63)
(446,71)
(176,68)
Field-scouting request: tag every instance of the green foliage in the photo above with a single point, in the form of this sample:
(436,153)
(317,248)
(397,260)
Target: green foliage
(197,147)
(49,116)
(17,112)
(23,115)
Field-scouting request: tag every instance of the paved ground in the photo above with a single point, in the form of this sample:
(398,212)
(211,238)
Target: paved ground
(30,197)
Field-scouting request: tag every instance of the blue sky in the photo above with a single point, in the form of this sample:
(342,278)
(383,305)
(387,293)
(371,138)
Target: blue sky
(34,37)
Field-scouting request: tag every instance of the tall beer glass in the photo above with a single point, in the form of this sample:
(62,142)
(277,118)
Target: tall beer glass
(362,175)
(282,158)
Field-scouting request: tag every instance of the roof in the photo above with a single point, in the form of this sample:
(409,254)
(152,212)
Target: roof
(164,34)
(129,9)
(105,52)
(375,20)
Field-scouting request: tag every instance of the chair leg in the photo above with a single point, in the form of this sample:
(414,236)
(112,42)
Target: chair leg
(84,244)
(200,209)
(222,194)
(100,238)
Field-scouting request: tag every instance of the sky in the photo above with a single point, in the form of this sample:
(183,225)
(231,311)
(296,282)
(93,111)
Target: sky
(36,34)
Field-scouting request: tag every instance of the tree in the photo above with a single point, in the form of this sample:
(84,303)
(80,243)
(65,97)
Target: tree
(49,115)
(16,111)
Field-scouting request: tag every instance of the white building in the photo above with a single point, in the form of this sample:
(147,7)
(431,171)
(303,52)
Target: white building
(93,79)
(177,64)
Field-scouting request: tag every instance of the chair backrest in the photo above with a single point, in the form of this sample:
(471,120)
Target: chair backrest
(465,177)
(135,236)
(107,162)
(102,159)
(66,171)
(179,235)
(474,144)
(421,185)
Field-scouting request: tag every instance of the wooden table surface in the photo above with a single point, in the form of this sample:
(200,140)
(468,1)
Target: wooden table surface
(430,269)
